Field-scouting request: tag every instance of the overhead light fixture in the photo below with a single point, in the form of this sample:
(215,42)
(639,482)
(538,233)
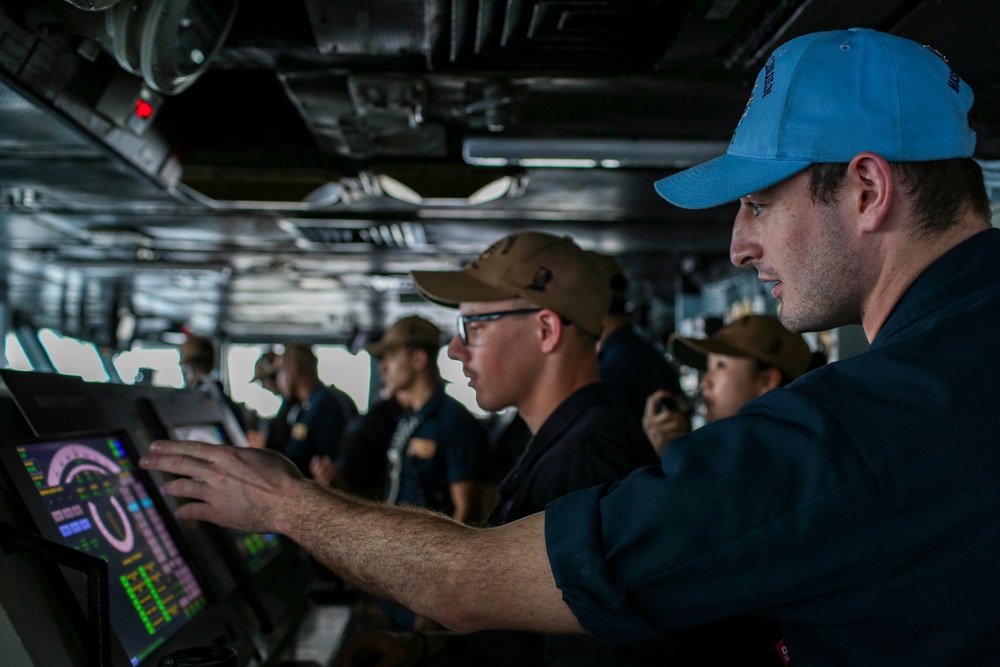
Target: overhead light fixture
(325,195)
(397,190)
(333,233)
(253,189)
(493,189)
(488,161)
(589,153)
(558,162)
(92,5)
(320,284)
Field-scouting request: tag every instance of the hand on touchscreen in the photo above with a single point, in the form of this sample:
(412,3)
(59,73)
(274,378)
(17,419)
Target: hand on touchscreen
(231,486)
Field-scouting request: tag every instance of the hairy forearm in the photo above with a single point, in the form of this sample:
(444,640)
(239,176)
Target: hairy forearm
(465,578)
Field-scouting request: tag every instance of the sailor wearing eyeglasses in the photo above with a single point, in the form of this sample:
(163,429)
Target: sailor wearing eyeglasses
(531,310)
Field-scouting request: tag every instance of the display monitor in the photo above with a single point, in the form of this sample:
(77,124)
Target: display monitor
(213,434)
(254,550)
(271,570)
(203,406)
(88,493)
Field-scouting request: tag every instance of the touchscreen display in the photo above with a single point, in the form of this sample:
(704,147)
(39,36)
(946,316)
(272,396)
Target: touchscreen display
(255,550)
(85,493)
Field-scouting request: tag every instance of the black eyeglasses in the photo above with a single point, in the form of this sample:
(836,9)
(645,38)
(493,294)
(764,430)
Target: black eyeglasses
(463,334)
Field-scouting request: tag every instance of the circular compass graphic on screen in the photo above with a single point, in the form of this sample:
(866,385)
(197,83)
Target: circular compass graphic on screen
(72,461)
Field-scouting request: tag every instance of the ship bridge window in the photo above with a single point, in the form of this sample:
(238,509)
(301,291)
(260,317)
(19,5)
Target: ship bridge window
(350,372)
(457,384)
(336,366)
(240,360)
(15,355)
(71,356)
(142,364)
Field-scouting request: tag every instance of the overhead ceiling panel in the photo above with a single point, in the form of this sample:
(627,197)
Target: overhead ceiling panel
(368,27)
(267,171)
(562,34)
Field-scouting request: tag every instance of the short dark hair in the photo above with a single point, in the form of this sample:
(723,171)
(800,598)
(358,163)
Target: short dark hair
(943,189)
(432,359)
(302,356)
(198,352)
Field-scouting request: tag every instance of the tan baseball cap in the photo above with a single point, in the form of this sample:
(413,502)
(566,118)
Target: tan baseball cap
(545,270)
(410,331)
(266,366)
(760,337)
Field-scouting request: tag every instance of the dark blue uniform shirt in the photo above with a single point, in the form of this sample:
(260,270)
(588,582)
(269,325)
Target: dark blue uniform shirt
(634,369)
(583,443)
(316,427)
(860,505)
(448,446)
(587,440)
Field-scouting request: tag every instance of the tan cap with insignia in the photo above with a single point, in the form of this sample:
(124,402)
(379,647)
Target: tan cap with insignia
(543,269)
(760,337)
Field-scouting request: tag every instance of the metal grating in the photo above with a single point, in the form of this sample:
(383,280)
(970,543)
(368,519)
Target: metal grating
(554,34)
(28,131)
(395,235)
(368,27)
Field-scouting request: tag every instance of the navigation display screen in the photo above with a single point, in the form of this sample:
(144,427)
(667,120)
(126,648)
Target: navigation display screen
(84,492)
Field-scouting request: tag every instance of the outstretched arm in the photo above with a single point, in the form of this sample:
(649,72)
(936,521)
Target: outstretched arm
(465,578)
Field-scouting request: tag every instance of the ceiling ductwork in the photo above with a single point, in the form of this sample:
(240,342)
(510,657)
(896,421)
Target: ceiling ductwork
(375,137)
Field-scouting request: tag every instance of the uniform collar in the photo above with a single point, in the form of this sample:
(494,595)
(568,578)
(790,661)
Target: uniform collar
(564,416)
(432,404)
(960,272)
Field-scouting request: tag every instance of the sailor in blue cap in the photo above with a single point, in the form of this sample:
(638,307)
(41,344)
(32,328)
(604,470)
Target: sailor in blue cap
(858,505)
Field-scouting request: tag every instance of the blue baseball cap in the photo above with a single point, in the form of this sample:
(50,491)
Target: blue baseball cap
(825,97)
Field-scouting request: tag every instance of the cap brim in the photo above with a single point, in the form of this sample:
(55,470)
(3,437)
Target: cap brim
(686,352)
(725,179)
(379,348)
(449,288)
(694,353)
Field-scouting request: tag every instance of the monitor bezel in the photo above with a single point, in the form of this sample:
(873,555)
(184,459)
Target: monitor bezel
(219,426)
(182,407)
(35,516)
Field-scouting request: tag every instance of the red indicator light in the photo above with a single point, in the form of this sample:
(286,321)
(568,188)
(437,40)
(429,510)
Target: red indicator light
(143,109)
